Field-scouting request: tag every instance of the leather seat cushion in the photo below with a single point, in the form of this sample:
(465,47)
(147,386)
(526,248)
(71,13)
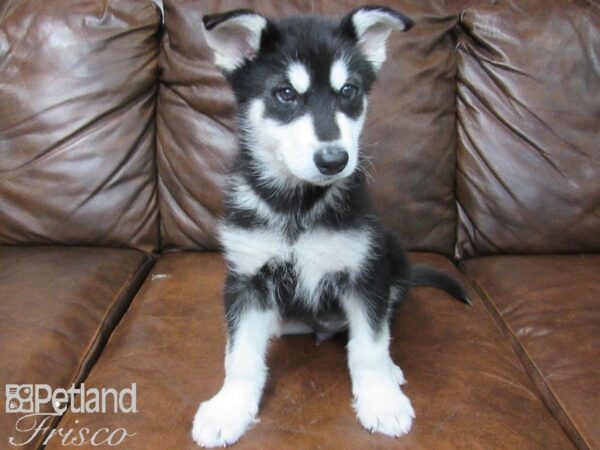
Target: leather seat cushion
(467,386)
(550,308)
(58,306)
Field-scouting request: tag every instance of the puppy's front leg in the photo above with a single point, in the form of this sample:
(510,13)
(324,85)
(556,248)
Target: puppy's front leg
(380,404)
(223,419)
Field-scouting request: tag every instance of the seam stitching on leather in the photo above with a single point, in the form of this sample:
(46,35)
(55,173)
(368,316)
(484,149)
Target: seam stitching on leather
(118,299)
(77,378)
(505,328)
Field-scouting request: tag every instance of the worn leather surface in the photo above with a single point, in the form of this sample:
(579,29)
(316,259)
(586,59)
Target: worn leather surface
(409,136)
(467,386)
(78,84)
(550,308)
(58,306)
(528,124)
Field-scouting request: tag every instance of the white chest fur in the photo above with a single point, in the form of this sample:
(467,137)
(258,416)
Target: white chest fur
(314,255)
(322,252)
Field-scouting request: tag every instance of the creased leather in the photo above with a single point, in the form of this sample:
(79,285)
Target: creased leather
(528,177)
(78,84)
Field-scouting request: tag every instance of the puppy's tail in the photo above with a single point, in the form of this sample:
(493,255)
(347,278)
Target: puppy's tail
(428,277)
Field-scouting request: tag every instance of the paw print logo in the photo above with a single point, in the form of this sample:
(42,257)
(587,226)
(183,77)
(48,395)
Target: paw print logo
(19,398)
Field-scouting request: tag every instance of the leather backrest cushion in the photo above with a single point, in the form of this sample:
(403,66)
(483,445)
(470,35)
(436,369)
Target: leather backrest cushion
(410,131)
(78,82)
(529,128)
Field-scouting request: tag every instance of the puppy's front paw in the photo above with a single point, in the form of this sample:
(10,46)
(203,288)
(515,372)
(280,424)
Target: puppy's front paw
(223,419)
(383,408)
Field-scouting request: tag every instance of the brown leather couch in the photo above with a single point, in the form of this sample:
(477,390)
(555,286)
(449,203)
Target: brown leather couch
(116,133)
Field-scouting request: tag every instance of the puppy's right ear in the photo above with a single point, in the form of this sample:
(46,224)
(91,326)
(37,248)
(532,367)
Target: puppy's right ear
(370,27)
(234,36)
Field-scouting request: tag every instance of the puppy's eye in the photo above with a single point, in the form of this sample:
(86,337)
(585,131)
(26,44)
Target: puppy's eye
(348,91)
(286,95)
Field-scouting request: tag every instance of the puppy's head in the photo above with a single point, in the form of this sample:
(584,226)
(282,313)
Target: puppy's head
(301,85)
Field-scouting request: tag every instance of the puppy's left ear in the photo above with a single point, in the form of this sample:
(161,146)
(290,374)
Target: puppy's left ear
(370,26)
(234,36)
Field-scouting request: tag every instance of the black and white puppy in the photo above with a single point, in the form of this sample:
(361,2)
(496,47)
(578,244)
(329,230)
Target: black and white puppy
(304,249)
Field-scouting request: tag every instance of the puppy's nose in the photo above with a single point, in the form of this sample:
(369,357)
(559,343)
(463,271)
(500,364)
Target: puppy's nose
(331,160)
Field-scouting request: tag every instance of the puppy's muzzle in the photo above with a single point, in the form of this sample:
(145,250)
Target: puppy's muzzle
(331,160)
